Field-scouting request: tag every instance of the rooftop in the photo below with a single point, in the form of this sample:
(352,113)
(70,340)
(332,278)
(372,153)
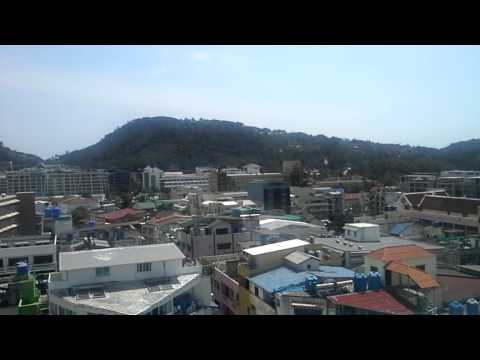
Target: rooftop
(341,244)
(378,301)
(450,204)
(421,278)
(119,214)
(279,246)
(401,252)
(298,257)
(131,298)
(118,256)
(362,225)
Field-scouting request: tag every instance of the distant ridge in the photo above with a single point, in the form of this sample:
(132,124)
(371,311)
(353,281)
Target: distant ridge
(175,144)
(18,159)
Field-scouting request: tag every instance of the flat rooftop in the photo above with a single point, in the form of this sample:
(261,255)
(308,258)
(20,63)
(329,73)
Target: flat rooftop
(343,245)
(130,298)
(118,256)
(362,225)
(279,246)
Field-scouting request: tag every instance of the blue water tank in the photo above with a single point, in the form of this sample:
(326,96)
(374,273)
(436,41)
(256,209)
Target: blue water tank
(55,212)
(48,212)
(455,308)
(22,268)
(359,282)
(374,281)
(472,307)
(91,222)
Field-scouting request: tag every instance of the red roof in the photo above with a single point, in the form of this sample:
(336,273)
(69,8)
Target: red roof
(119,214)
(421,278)
(378,301)
(352,196)
(401,252)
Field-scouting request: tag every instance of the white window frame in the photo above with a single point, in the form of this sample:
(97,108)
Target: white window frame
(144,267)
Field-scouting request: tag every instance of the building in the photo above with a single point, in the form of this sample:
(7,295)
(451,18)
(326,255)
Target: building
(119,181)
(358,240)
(418,182)
(38,251)
(376,201)
(318,203)
(139,280)
(17,215)
(122,216)
(156,180)
(159,229)
(275,230)
(227,180)
(57,180)
(407,266)
(9,215)
(252,169)
(211,236)
(270,195)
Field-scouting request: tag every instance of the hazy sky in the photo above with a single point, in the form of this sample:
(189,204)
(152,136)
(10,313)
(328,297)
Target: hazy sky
(58,98)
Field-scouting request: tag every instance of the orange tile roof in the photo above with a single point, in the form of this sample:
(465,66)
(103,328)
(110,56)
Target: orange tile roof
(421,278)
(401,252)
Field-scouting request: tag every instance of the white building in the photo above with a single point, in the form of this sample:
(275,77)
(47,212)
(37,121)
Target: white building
(251,168)
(38,251)
(155,179)
(137,280)
(362,232)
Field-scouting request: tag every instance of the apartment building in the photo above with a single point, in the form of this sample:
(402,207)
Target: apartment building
(155,180)
(270,195)
(317,202)
(418,182)
(57,180)
(38,251)
(9,215)
(228,180)
(138,280)
(211,236)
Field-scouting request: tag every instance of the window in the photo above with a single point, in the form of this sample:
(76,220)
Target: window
(61,311)
(309,266)
(1,263)
(348,232)
(144,267)
(225,246)
(43,259)
(373,268)
(420,267)
(222,231)
(102,271)
(208,231)
(256,291)
(14,261)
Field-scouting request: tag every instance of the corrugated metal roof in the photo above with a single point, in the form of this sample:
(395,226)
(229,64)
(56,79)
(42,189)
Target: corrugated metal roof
(421,278)
(378,301)
(118,256)
(281,279)
(397,229)
(402,252)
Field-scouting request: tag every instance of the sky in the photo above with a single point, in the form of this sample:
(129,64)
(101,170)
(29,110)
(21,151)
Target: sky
(55,99)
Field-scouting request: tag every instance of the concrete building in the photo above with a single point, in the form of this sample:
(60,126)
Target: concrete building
(211,236)
(270,195)
(407,266)
(159,229)
(275,230)
(17,215)
(418,182)
(9,215)
(57,180)
(317,202)
(227,180)
(119,181)
(139,280)
(156,180)
(358,240)
(38,251)
(252,169)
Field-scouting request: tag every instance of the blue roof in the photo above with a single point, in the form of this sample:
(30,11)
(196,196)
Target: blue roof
(398,229)
(283,279)
(280,279)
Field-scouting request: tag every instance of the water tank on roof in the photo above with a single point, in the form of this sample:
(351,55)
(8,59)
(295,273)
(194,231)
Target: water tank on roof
(472,307)
(22,268)
(455,308)
(48,212)
(359,282)
(374,281)
(55,212)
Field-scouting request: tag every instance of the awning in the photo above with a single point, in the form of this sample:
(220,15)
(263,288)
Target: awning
(419,277)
